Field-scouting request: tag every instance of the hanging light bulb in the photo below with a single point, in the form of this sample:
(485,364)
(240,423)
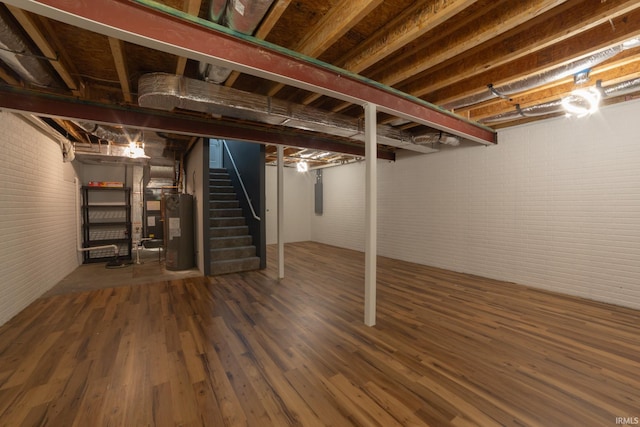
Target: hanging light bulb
(582,102)
(136,149)
(302,166)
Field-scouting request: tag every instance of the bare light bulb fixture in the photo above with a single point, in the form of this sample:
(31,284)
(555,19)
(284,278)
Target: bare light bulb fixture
(136,150)
(302,166)
(582,102)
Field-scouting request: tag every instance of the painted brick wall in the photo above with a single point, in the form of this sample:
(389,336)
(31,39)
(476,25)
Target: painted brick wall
(298,201)
(37,215)
(342,222)
(555,205)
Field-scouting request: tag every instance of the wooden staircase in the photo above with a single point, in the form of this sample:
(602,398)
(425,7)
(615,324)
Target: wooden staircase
(231,245)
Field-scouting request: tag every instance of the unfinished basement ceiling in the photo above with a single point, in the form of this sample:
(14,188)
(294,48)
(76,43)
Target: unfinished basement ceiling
(473,65)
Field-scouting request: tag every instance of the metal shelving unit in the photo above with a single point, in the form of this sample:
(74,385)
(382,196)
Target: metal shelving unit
(106,220)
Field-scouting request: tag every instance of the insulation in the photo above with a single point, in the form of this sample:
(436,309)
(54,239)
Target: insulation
(168,91)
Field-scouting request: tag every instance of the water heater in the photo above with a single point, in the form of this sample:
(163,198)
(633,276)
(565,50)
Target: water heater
(178,233)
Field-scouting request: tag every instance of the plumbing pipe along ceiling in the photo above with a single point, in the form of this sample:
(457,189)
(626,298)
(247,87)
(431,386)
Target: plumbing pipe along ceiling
(445,73)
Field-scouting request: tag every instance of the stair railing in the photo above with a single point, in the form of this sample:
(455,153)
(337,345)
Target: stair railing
(246,195)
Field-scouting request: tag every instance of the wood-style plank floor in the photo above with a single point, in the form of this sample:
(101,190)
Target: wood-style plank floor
(244,349)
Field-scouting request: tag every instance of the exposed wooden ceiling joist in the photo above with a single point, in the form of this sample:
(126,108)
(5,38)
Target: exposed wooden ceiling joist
(168,30)
(192,7)
(327,30)
(117,50)
(536,36)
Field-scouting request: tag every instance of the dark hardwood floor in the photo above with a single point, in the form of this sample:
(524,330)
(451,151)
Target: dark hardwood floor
(244,349)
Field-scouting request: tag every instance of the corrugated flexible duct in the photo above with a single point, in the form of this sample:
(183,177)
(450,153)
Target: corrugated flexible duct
(19,57)
(167,92)
(537,79)
(111,133)
(239,15)
(555,106)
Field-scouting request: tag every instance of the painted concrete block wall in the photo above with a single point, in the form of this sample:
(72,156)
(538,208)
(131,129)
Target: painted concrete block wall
(343,218)
(298,202)
(556,205)
(37,215)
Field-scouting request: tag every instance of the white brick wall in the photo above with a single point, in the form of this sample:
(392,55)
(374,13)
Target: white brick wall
(298,201)
(342,221)
(37,215)
(555,205)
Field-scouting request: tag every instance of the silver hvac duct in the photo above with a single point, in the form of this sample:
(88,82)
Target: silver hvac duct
(623,88)
(110,133)
(245,15)
(19,57)
(216,10)
(555,106)
(167,92)
(436,138)
(504,91)
(239,15)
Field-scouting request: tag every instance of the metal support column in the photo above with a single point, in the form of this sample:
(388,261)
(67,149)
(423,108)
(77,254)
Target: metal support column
(280,212)
(371,199)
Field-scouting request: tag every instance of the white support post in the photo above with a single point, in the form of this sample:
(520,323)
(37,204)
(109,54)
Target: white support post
(371,207)
(280,212)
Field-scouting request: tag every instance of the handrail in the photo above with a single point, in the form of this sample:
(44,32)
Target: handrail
(253,212)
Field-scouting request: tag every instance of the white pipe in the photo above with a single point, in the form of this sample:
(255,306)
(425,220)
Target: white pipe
(116,250)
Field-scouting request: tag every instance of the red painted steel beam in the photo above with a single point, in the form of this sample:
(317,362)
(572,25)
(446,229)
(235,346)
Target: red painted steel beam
(41,104)
(152,25)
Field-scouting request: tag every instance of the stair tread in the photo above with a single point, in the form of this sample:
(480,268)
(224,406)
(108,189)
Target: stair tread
(229,261)
(231,237)
(235,248)
(229,217)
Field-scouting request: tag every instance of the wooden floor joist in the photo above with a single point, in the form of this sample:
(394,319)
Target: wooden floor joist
(448,349)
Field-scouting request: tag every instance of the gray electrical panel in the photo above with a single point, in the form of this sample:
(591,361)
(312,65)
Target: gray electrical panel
(318,192)
(178,231)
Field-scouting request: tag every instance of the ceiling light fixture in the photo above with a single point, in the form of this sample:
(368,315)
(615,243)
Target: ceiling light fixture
(582,102)
(302,166)
(136,150)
